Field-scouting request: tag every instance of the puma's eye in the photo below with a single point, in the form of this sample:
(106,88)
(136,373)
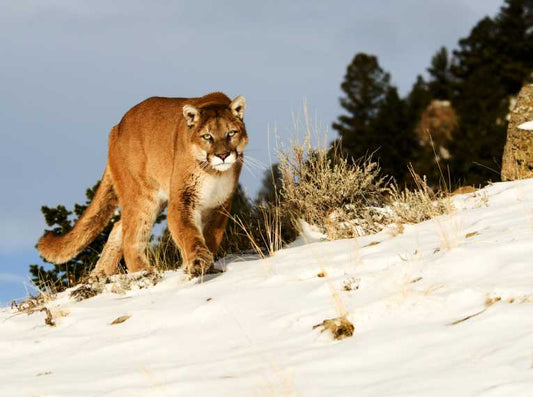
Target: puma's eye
(207,137)
(231,133)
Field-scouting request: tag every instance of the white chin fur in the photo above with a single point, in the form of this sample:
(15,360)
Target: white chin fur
(222,166)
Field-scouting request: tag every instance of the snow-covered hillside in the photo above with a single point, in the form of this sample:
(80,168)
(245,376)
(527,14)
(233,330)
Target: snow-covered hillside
(444,308)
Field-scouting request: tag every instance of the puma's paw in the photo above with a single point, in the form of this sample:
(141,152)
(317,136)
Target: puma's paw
(201,264)
(97,273)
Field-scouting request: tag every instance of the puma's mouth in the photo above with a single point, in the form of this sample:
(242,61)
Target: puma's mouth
(222,167)
(222,163)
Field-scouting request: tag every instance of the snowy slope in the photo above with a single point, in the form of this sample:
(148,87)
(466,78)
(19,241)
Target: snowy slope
(249,331)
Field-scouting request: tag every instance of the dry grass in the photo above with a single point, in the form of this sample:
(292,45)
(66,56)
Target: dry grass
(258,229)
(48,285)
(117,284)
(323,188)
(32,303)
(163,254)
(346,199)
(120,319)
(489,301)
(339,327)
(39,304)
(261,230)
(418,204)
(271,232)
(241,233)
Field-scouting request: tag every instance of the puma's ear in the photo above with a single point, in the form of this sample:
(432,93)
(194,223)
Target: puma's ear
(237,106)
(191,114)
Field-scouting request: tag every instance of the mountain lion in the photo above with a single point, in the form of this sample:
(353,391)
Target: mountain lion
(184,152)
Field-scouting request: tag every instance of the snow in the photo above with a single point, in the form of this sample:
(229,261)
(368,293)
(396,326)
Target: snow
(526,126)
(249,331)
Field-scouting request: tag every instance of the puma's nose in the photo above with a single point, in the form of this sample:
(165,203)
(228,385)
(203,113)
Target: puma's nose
(222,156)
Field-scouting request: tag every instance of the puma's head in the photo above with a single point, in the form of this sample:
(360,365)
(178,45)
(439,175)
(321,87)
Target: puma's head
(217,133)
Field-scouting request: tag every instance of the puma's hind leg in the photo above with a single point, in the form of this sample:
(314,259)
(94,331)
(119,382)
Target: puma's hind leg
(138,217)
(112,253)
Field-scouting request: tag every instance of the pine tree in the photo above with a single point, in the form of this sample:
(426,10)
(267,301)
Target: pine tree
(376,122)
(365,86)
(396,139)
(69,274)
(270,186)
(491,65)
(515,43)
(235,240)
(441,78)
(418,99)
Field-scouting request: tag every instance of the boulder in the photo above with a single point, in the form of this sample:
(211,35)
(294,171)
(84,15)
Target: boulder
(517,161)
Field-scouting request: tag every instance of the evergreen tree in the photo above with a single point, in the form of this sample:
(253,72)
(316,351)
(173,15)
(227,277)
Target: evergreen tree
(365,86)
(69,274)
(395,136)
(514,42)
(491,65)
(235,240)
(270,186)
(487,69)
(376,120)
(440,83)
(418,99)
(240,204)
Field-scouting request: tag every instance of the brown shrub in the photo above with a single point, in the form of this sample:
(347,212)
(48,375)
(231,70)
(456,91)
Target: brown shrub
(324,189)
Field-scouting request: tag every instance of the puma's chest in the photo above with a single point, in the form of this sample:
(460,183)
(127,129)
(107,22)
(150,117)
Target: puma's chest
(214,190)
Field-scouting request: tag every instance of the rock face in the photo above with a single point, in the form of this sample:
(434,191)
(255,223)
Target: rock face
(517,162)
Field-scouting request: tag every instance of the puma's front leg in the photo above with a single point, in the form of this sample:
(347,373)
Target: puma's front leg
(183,222)
(215,226)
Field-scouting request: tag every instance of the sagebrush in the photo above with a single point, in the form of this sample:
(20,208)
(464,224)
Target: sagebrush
(346,198)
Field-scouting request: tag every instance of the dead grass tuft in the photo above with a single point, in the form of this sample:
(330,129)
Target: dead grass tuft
(326,190)
(418,204)
(339,327)
(351,284)
(32,303)
(163,254)
(84,291)
(49,319)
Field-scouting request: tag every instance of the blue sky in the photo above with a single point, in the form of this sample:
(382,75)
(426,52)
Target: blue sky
(71,68)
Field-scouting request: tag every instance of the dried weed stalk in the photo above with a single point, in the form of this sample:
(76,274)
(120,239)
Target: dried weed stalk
(418,204)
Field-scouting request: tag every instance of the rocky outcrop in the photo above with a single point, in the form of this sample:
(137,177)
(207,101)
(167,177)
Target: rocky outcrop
(517,161)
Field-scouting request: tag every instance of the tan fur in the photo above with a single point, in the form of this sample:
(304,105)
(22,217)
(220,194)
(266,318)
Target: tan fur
(159,155)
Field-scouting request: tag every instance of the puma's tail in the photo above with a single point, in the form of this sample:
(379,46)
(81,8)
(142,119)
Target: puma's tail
(60,249)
